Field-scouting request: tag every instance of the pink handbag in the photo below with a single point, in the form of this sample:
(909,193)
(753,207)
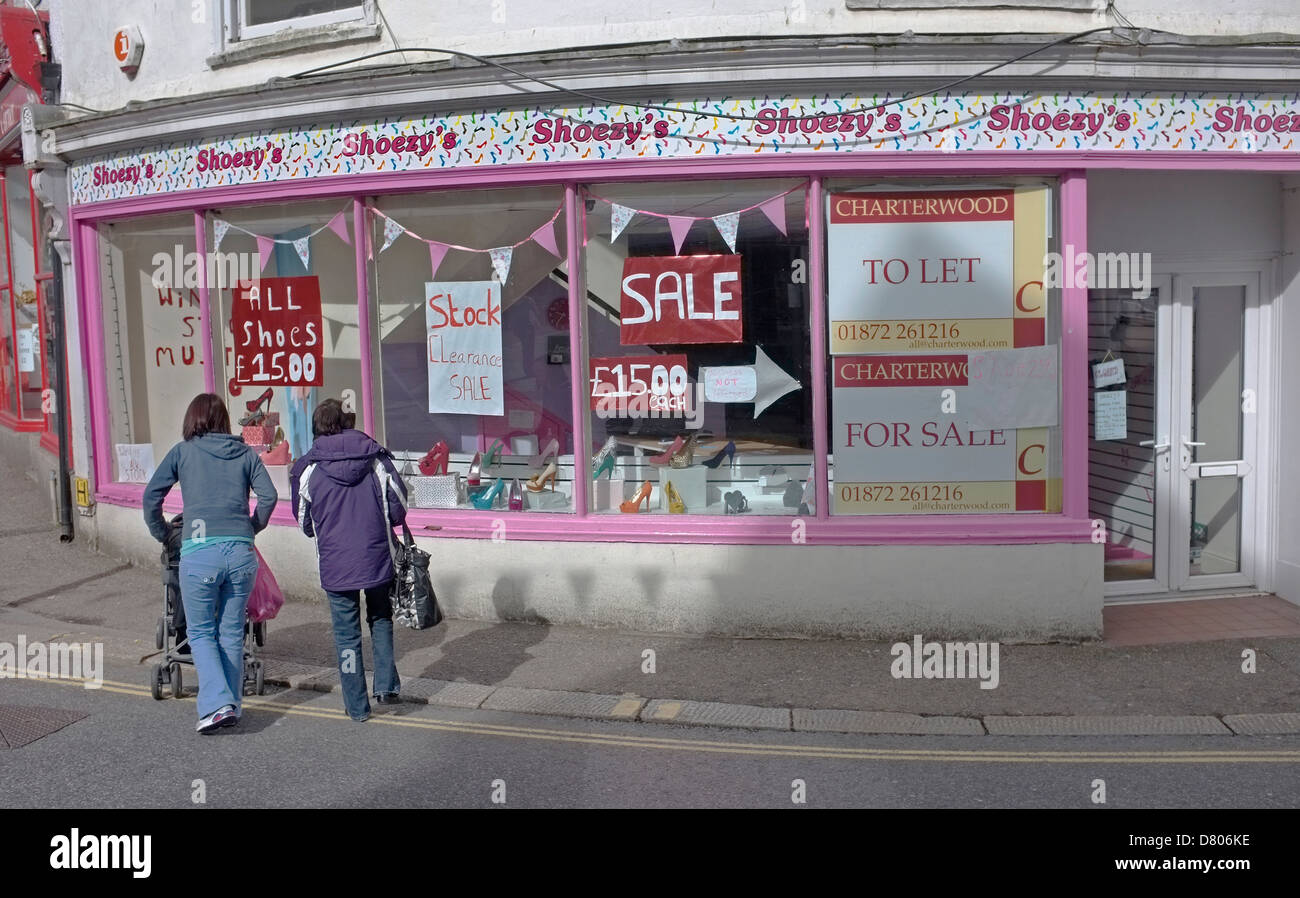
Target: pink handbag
(276,455)
(266,600)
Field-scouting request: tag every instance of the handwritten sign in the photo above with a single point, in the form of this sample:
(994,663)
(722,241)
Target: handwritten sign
(27,348)
(1110,415)
(732,383)
(463,320)
(277,329)
(1012,388)
(1109,372)
(680,299)
(134,462)
(658,381)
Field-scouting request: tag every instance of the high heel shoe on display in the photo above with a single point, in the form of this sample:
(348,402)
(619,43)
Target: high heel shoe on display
(552,449)
(475,475)
(728,450)
(516,496)
(666,456)
(606,451)
(633,505)
(675,503)
(537,482)
(486,499)
(685,456)
(493,457)
(435,460)
(605,467)
(257,409)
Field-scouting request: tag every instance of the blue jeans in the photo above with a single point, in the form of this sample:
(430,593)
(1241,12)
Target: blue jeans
(345,612)
(216,581)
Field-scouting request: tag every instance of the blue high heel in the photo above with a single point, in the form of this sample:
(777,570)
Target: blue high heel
(493,457)
(606,467)
(728,450)
(486,499)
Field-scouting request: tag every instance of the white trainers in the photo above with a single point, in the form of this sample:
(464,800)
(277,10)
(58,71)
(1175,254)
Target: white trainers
(224,716)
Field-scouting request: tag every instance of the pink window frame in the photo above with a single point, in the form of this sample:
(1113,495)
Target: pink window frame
(1070,525)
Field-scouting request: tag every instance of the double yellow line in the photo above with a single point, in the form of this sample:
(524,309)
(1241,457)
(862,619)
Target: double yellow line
(815,752)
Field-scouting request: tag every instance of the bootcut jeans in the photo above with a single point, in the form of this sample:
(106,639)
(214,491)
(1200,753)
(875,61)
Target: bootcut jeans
(345,613)
(216,581)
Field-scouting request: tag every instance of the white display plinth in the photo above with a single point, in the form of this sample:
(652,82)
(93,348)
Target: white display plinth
(691,483)
(607,493)
(279,479)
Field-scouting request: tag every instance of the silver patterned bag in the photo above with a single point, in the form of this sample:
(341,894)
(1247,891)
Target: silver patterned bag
(438,491)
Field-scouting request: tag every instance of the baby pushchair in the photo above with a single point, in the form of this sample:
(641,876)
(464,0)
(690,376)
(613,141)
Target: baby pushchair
(170,635)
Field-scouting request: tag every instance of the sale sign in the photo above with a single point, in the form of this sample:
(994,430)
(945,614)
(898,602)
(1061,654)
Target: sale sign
(463,319)
(925,434)
(936,270)
(278,330)
(680,299)
(658,381)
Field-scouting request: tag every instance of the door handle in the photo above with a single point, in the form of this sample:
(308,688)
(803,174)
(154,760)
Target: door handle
(1186,454)
(1157,448)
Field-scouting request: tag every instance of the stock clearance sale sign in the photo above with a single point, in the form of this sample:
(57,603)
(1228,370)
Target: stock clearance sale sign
(898,452)
(927,271)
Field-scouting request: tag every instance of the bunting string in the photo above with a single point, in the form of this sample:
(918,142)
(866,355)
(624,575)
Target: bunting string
(472,249)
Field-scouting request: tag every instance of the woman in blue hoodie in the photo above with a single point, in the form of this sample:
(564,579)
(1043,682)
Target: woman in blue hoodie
(347,495)
(216,470)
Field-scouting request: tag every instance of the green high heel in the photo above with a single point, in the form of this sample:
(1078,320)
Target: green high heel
(486,499)
(493,457)
(606,467)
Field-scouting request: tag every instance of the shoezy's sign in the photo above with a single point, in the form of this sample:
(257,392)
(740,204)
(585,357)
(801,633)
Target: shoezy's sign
(278,332)
(680,299)
(463,321)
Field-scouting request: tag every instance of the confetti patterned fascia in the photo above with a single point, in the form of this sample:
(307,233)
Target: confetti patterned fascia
(950,123)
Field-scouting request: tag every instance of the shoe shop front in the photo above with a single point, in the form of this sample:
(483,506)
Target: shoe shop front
(748,365)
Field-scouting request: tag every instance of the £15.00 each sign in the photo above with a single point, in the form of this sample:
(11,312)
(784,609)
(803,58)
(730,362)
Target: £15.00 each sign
(278,332)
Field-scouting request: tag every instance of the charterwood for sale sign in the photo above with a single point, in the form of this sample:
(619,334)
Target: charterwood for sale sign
(903,445)
(930,271)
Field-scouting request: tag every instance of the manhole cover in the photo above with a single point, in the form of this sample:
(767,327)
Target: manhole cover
(23,724)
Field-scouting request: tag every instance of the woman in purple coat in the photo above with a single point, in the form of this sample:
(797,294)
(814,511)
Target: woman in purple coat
(347,495)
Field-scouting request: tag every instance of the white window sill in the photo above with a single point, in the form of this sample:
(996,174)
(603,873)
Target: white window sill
(294,40)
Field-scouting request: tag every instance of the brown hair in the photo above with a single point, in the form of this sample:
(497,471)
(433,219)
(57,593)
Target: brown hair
(206,414)
(329,419)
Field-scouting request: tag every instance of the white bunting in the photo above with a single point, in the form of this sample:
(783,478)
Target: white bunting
(619,217)
(303,251)
(727,225)
(392,230)
(501,261)
(219,228)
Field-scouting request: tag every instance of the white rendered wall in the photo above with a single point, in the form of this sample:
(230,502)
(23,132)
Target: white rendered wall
(179,35)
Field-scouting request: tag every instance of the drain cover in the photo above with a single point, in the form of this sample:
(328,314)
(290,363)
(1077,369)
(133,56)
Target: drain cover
(23,724)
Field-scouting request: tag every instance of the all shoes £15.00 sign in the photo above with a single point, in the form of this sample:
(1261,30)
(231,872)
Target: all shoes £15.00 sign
(278,332)
(463,321)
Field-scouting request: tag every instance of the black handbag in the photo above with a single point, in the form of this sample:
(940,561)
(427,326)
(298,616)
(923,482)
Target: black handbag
(414,602)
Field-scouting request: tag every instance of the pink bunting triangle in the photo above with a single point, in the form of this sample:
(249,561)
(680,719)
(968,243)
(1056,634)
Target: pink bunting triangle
(774,209)
(265,246)
(679,225)
(545,237)
(339,226)
(436,253)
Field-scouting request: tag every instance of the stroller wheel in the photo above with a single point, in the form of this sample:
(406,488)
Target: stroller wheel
(177,685)
(259,634)
(159,633)
(259,678)
(156,681)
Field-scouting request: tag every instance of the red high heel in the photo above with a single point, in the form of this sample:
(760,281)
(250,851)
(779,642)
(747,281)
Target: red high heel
(264,399)
(435,459)
(633,505)
(666,456)
(257,409)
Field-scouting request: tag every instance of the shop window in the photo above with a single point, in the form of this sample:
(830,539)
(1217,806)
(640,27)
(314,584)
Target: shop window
(472,322)
(152,337)
(23,349)
(260,18)
(943,333)
(284,307)
(698,345)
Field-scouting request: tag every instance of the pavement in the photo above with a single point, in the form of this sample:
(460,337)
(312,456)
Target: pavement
(52,591)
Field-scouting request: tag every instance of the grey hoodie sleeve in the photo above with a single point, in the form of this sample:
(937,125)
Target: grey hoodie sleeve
(160,484)
(264,489)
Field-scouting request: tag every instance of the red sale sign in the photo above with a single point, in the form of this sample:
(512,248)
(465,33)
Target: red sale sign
(681,299)
(278,331)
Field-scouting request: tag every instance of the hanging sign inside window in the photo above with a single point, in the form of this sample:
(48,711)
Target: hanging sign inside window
(278,329)
(1108,372)
(27,348)
(463,320)
(622,383)
(905,444)
(936,270)
(680,299)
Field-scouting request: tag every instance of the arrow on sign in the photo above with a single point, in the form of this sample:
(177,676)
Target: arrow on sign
(761,383)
